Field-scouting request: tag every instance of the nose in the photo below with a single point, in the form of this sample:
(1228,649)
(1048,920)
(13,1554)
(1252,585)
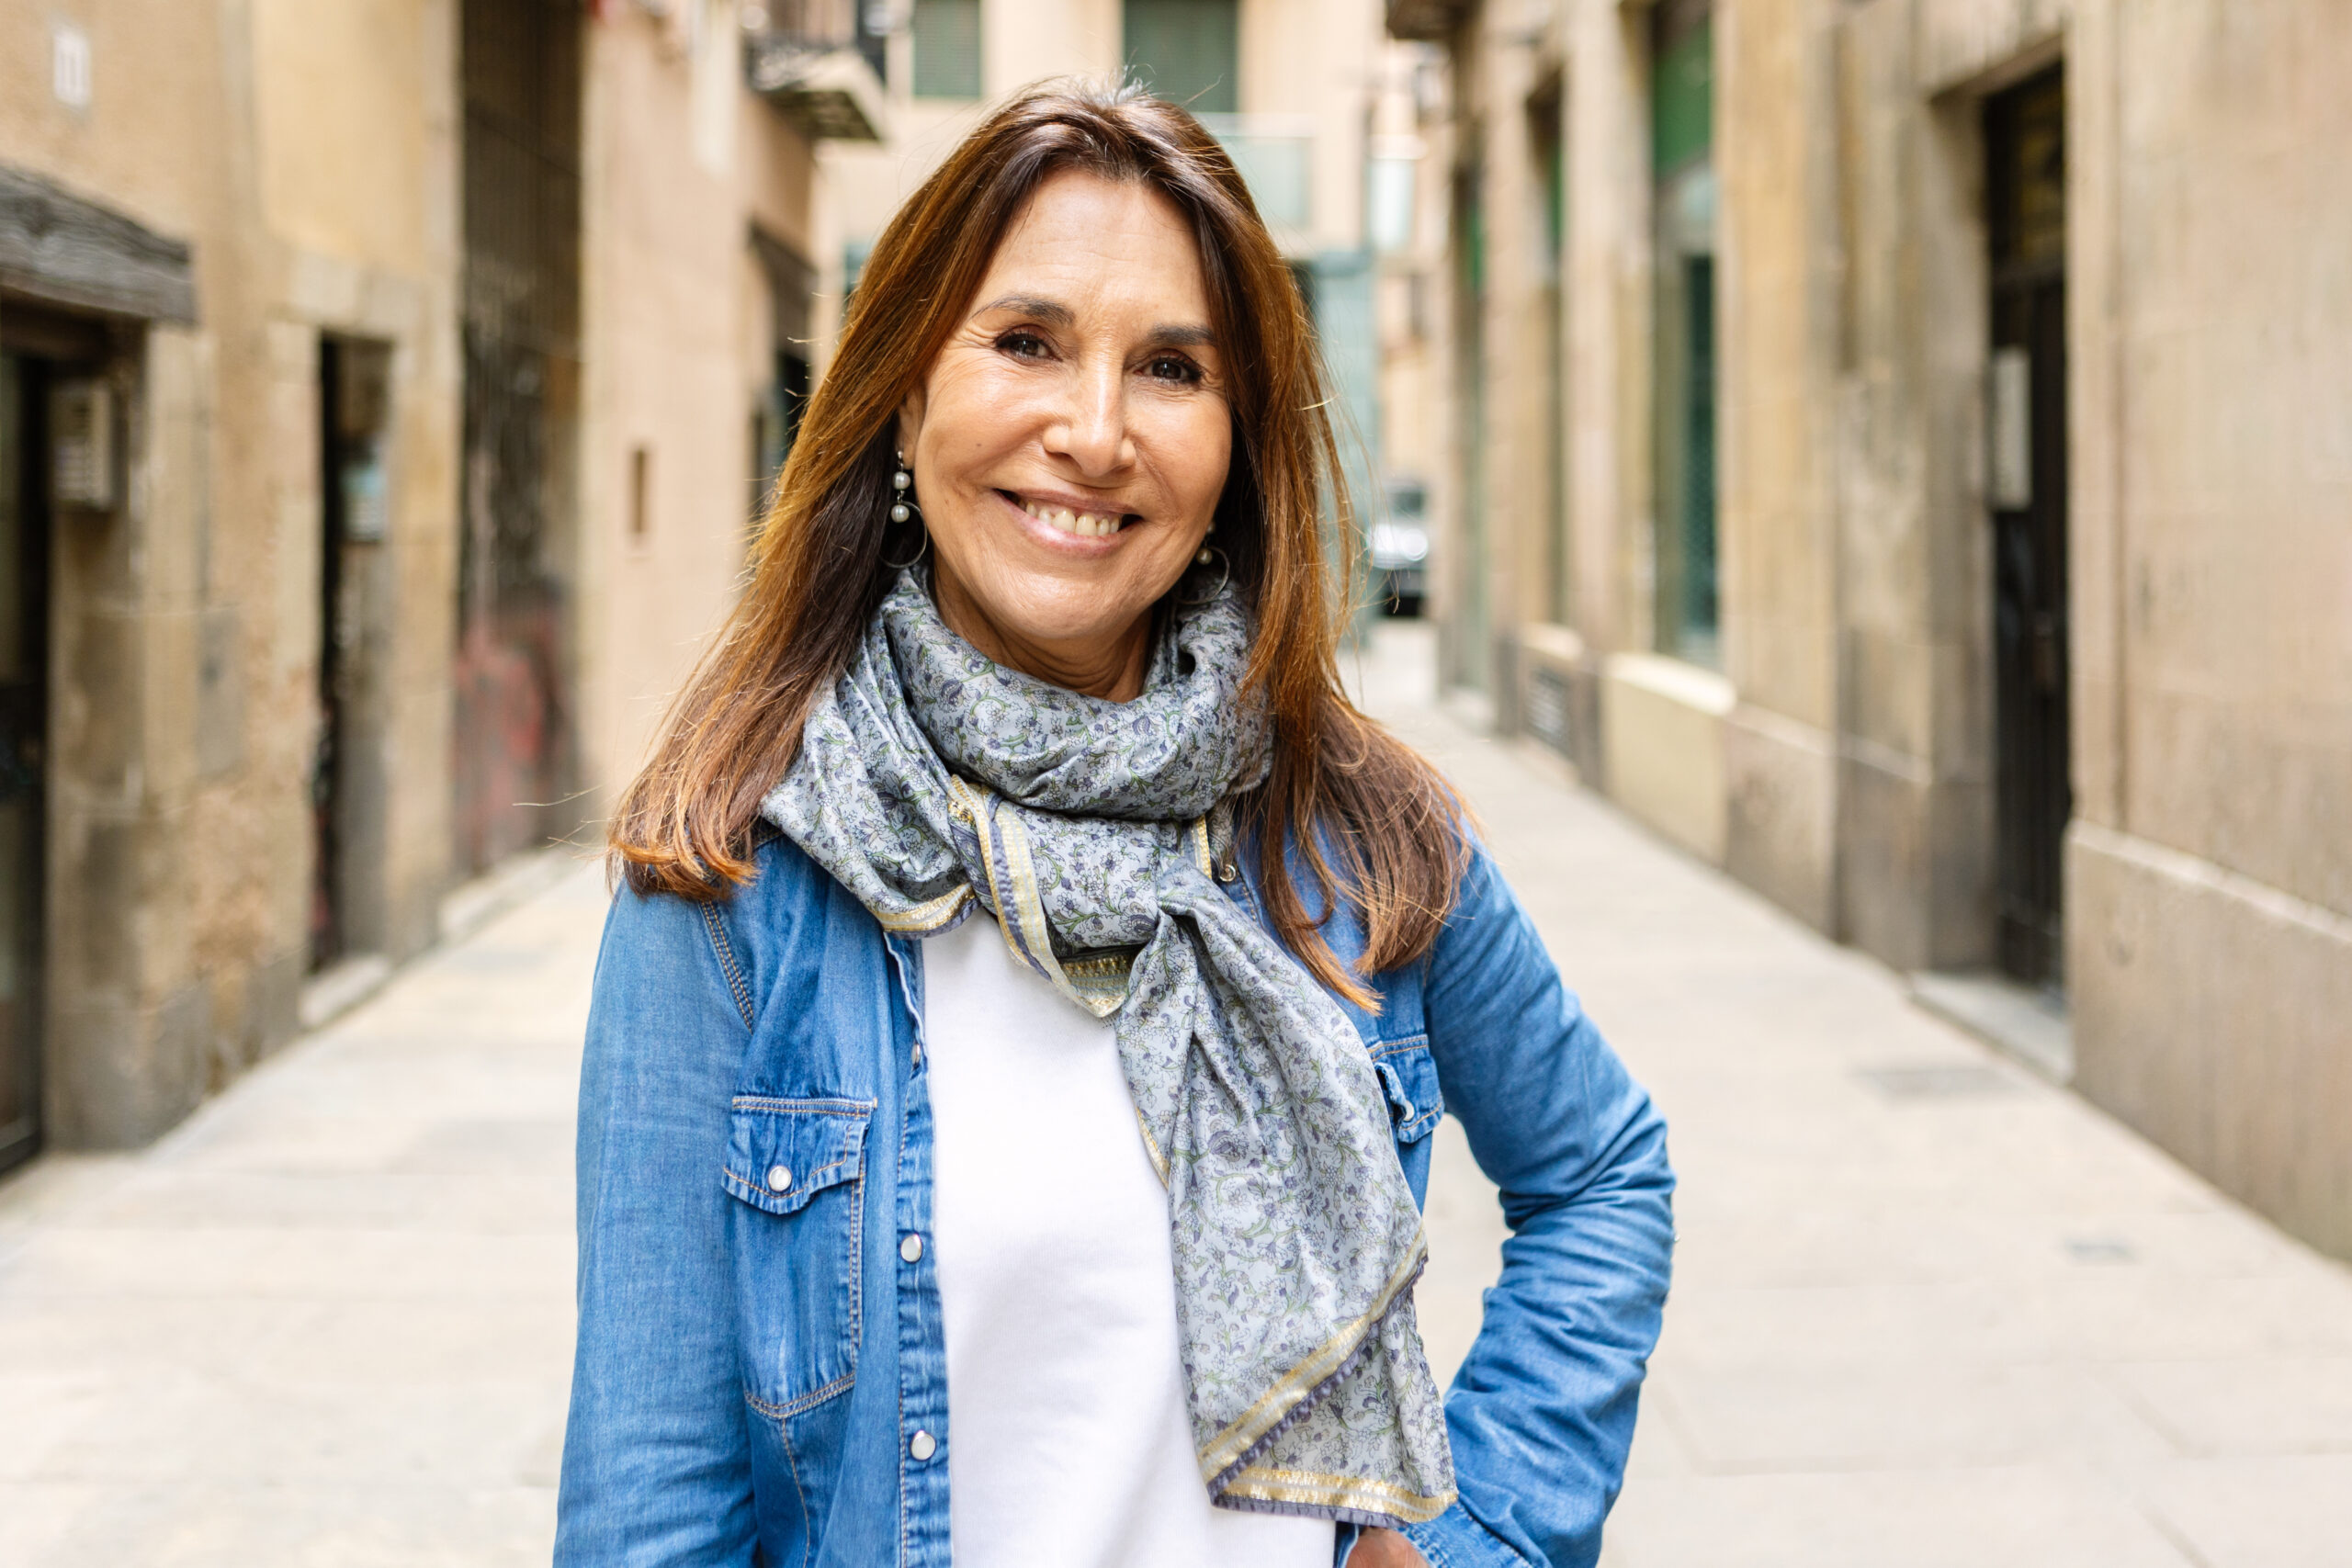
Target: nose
(1092,432)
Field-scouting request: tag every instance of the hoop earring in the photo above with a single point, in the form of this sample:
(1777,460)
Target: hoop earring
(902,510)
(1224,576)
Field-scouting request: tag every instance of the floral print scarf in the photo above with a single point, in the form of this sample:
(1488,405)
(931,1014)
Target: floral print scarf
(930,780)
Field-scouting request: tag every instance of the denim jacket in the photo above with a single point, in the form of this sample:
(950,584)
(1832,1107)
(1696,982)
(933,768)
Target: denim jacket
(762,1376)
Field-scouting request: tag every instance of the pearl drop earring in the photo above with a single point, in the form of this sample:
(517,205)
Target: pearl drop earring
(902,482)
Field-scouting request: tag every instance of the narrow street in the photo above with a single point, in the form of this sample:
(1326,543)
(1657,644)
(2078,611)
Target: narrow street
(1928,1310)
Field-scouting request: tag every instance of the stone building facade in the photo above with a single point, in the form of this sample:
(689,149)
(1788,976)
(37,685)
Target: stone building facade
(1906,458)
(381,392)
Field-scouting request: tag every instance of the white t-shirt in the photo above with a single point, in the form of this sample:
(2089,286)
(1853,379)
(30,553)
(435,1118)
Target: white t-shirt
(1068,1442)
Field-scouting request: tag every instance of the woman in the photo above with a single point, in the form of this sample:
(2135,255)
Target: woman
(1008,1086)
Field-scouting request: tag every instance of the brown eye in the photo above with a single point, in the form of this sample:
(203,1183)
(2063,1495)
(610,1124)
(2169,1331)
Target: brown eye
(1022,345)
(1170,367)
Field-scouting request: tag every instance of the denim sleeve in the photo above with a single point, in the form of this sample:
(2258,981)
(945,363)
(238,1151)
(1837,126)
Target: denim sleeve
(1542,1413)
(657,1456)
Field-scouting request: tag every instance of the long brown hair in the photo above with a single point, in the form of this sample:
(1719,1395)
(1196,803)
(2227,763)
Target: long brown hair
(1366,819)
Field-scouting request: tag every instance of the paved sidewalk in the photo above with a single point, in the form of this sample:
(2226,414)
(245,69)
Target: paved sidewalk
(1929,1312)
(328,1320)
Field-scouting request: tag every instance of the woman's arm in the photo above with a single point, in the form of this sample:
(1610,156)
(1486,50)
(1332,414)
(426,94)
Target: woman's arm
(1541,1412)
(656,1460)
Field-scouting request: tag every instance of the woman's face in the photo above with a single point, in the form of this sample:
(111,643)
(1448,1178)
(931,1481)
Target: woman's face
(1070,442)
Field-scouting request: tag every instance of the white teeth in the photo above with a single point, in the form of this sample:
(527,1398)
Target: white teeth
(1084,524)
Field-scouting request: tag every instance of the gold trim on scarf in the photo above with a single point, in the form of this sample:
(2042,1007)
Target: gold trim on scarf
(1293,1386)
(1020,910)
(1360,1493)
(927,917)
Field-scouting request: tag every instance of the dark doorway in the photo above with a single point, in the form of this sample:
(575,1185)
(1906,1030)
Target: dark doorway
(348,784)
(521,66)
(1471,660)
(2025,485)
(24,709)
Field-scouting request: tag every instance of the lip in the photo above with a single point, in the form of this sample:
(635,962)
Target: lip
(1053,538)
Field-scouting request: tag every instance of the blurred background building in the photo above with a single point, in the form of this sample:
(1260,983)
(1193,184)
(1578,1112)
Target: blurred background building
(1902,451)
(385,389)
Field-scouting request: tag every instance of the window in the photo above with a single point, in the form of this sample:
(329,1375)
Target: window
(1187,51)
(1682,165)
(946,37)
(640,494)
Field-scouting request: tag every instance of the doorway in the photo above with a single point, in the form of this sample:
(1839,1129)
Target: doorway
(347,776)
(24,709)
(1473,651)
(2026,487)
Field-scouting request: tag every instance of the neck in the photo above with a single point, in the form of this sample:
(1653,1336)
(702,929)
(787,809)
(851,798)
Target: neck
(1111,668)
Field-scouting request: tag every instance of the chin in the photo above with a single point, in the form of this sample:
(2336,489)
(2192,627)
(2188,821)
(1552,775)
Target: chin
(1059,612)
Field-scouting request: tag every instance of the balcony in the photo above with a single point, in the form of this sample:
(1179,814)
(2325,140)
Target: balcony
(814,59)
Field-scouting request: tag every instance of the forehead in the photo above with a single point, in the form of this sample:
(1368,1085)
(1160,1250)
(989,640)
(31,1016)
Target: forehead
(1085,242)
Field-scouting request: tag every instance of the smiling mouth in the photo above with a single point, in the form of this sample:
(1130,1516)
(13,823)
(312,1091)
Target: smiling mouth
(1083,525)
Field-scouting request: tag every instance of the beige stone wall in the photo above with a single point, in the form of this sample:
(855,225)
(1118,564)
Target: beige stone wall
(356,120)
(311,157)
(2210,869)
(1780,329)
(2211,872)
(1591,53)
(674,322)
(309,162)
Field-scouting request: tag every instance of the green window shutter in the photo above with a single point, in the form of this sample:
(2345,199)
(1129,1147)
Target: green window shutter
(1682,98)
(946,37)
(1188,50)
(1684,355)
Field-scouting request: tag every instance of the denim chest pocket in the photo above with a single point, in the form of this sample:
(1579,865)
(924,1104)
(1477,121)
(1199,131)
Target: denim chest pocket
(797,1168)
(1408,1075)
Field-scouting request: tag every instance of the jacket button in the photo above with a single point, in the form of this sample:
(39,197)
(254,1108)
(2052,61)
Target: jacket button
(921,1446)
(779,1178)
(911,1248)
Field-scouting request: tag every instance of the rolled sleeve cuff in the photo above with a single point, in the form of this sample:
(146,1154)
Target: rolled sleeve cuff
(1454,1539)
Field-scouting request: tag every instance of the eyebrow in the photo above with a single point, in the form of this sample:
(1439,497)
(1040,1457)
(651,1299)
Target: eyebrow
(1054,313)
(1051,312)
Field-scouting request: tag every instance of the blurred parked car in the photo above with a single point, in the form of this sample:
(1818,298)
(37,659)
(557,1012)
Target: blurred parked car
(1399,550)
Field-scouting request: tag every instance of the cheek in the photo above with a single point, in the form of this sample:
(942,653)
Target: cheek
(975,412)
(1197,451)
